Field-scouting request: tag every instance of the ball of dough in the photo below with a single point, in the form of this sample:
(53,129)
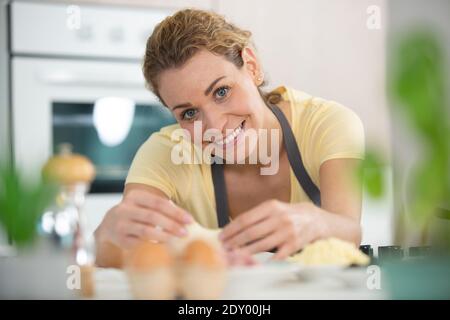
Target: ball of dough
(331,251)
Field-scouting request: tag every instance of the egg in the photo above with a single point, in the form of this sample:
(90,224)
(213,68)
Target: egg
(201,270)
(150,270)
(200,252)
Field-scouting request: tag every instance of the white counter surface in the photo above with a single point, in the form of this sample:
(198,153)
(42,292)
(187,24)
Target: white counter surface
(270,281)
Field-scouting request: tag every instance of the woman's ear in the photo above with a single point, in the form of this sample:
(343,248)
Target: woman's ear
(252,65)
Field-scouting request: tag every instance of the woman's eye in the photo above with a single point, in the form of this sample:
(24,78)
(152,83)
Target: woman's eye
(188,114)
(221,92)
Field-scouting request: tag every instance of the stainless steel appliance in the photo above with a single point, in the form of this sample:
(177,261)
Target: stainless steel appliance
(5,139)
(76,78)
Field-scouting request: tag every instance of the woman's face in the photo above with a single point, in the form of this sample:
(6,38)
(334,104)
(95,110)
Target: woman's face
(213,91)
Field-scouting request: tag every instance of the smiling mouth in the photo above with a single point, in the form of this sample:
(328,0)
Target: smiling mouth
(232,136)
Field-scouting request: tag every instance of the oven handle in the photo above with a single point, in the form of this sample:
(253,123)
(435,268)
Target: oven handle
(91,80)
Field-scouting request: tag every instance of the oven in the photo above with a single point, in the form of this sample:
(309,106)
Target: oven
(77,79)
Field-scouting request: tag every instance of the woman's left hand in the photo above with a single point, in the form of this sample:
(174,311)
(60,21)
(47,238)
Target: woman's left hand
(288,227)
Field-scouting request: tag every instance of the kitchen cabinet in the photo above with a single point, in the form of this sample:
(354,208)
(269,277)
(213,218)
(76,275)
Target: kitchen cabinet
(173,4)
(5,139)
(5,142)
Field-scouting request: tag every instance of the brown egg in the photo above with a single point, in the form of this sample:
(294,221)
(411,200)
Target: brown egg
(148,255)
(149,267)
(201,253)
(202,271)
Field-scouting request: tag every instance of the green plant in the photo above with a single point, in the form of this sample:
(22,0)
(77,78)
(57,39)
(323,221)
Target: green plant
(22,202)
(416,88)
(370,174)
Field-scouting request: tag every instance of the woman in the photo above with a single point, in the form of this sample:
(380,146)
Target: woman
(206,71)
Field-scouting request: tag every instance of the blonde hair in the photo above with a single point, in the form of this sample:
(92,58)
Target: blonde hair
(178,37)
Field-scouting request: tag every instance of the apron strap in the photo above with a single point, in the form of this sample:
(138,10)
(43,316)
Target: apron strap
(295,158)
(220,192)
(295,161)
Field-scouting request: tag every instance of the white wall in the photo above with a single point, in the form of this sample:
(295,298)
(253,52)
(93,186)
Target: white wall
(324,47)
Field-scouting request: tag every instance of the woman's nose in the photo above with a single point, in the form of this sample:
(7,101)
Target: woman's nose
(214,120)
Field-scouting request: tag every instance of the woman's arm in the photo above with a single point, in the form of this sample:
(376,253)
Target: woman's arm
(289,227)
(341,199)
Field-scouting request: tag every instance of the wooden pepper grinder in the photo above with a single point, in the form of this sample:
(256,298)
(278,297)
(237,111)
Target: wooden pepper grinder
(74,173)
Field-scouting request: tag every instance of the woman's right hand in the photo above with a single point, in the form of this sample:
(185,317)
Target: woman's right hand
(142,215)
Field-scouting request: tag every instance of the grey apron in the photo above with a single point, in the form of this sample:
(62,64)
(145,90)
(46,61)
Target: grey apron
(295,160)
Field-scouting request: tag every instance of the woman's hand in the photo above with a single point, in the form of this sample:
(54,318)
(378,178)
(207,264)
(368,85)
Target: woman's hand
(142,215)
(275,224)
(238,258)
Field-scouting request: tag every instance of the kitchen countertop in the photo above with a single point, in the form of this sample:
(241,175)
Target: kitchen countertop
(267,281)
(271,281)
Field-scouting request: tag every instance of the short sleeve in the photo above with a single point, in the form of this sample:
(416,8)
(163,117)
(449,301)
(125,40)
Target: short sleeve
(152,166)
(337,133)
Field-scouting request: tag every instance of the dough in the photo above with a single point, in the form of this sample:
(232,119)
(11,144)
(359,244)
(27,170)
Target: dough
(331,251)
(196,231)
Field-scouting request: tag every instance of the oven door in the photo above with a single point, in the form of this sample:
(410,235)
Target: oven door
(101,108)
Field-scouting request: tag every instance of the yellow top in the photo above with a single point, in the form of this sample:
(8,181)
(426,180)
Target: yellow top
(323,129)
